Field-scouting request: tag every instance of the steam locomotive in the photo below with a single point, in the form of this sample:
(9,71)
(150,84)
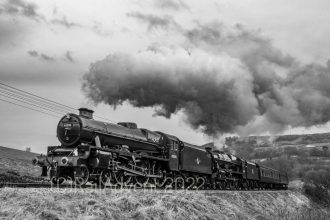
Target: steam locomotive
(105,153)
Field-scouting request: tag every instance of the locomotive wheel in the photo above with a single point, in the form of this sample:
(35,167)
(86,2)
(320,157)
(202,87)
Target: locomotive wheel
(214,184)
(121,179)
(245,185)
(142,180)
(57,181)
(159,182)
(82,179)
(221,185)
(237,185)
(178,182)
(104,178)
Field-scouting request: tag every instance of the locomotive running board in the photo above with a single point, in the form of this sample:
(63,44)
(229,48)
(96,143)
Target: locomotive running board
(138,173)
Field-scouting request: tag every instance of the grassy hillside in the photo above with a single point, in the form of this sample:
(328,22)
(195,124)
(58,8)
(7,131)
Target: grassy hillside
(318,141)
(295,154)
(16,165)
(126,204)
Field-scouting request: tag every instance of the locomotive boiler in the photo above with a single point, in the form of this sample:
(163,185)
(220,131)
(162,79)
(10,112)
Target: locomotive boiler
(107,153)
(73,130)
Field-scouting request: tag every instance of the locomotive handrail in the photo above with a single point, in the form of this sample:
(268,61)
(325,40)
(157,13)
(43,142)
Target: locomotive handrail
(128,153)
(127,138)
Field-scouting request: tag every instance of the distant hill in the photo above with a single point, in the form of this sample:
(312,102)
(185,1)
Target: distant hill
(16,165)
(311,144)
(295,154)
(278,141)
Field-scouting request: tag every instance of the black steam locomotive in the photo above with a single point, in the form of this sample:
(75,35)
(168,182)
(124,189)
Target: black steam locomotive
(106,153)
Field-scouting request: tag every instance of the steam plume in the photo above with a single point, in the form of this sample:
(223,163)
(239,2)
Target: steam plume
(229,80)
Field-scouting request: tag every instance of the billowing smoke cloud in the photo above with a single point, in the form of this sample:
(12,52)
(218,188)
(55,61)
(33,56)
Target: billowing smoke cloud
(228,80)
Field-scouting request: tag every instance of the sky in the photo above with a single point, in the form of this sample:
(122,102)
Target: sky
(49,48)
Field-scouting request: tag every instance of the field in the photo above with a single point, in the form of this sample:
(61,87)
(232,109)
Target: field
(16,165)
(141,204)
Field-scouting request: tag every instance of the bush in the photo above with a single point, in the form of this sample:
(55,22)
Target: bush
(317,185)
(319,177)
(318,194)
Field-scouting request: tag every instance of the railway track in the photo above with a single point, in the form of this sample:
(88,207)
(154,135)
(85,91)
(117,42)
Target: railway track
(34,185)
(73,186)
(49,185)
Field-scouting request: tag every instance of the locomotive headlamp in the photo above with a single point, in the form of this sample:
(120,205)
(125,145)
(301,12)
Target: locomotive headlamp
(64,160)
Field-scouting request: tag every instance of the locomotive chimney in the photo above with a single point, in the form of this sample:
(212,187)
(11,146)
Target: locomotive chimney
(86,113)
(208,149)
(209,146)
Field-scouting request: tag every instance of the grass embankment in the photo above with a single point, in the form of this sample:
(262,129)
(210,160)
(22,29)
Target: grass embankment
(16,166)
(139,204)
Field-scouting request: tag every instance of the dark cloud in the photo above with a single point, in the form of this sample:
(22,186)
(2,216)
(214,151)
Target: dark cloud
(69,57)
(15,20)
(171,4)
(64,22)
(42,56)
(100,30)
(47,57)
(97,27)
(19,7)
(33,53)
(154,21)
(230,79)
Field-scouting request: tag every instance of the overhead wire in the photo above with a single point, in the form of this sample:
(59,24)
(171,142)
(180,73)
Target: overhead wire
(30,101)
(38,101)
(31,98)
(31,94)
(38,106)
(28,108)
